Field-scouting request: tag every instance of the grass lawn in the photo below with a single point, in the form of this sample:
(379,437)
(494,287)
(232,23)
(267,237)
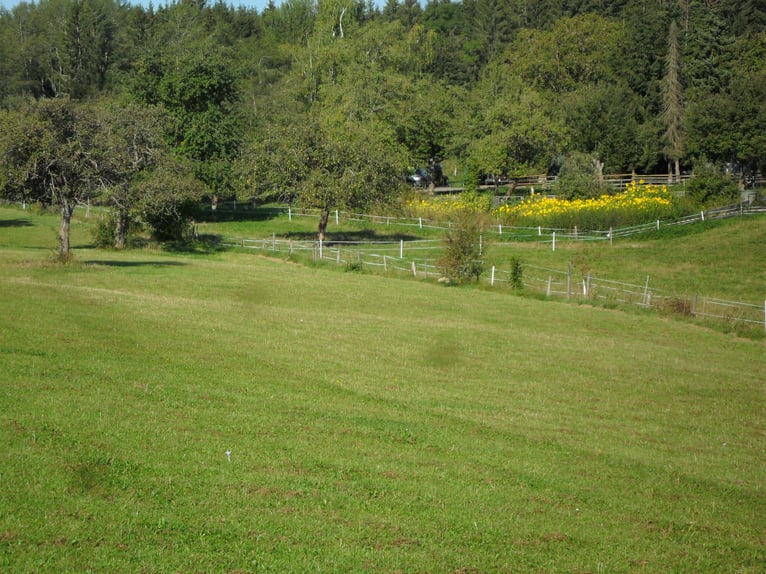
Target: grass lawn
(371,424)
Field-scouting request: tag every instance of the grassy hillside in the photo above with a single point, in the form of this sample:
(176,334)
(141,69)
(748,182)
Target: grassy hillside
(371,424)
(724,259)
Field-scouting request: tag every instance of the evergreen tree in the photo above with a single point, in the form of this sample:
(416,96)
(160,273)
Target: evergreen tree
(673,102)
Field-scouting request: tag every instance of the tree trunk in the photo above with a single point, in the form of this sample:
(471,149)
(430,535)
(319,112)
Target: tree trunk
(323,218)
(121,230)
(66,218)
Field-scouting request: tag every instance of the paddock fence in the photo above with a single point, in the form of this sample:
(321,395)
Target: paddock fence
(419,259)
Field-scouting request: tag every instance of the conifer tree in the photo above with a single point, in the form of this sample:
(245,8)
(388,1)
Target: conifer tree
(672,103)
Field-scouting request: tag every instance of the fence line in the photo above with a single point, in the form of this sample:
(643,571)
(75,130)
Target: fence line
(411,258)
(545,234)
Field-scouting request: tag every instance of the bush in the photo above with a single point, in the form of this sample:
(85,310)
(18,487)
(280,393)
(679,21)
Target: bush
(461,261)
(103,232)
(578,178)
(710,187)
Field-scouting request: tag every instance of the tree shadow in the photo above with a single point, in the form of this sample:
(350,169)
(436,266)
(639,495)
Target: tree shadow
(350,236)
(117,263)
(245,213)
(15,223)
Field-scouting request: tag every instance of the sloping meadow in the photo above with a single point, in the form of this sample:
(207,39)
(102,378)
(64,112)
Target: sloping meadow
(230,413)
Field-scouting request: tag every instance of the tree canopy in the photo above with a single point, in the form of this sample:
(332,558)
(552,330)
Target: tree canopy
(311,93)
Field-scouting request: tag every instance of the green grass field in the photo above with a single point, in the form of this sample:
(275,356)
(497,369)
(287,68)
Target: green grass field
(371,424)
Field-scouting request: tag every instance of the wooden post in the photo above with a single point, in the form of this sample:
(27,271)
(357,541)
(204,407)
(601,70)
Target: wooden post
(575,230)
(548,289)
(569,280)
(337,256)
(385,266)
(273,241)
(414,269)
(646,292)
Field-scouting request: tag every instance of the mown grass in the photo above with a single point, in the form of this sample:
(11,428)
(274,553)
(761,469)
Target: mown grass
(723,259)
(373,425)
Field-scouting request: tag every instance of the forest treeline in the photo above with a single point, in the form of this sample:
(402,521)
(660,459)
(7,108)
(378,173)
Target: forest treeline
(329,102)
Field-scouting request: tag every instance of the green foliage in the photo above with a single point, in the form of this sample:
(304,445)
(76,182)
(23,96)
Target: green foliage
(170,196)
(579,178)
(710,187)
(517,274)
(104,230)
(461,261)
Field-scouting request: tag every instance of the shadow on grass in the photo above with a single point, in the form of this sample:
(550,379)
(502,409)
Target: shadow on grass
(15,223)
(242,214)
(345,236)
(115,263)
(202,245)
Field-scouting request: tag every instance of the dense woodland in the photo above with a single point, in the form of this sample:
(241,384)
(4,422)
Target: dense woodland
(328,102)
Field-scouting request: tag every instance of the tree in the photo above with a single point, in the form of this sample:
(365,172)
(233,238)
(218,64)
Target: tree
(50,156)
(169,197)
(132,142)
(200,90)
(323,164)
(89,39)
(673,103)
(512,130)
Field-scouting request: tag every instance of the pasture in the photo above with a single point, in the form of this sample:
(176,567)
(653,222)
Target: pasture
(223,412)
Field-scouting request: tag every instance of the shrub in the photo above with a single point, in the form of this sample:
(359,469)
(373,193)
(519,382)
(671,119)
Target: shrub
(578,178)
(461,261)
(710,187)
(103,231)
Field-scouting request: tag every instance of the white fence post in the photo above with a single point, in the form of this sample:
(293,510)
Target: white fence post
(414,269)
(500,228)
(553,241)
(492,279)
(289,214)
(420,222)
(646,292)
(336,217)
(401,249)
(320,248)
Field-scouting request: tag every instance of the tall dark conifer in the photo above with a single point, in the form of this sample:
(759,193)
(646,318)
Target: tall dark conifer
(673,103)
